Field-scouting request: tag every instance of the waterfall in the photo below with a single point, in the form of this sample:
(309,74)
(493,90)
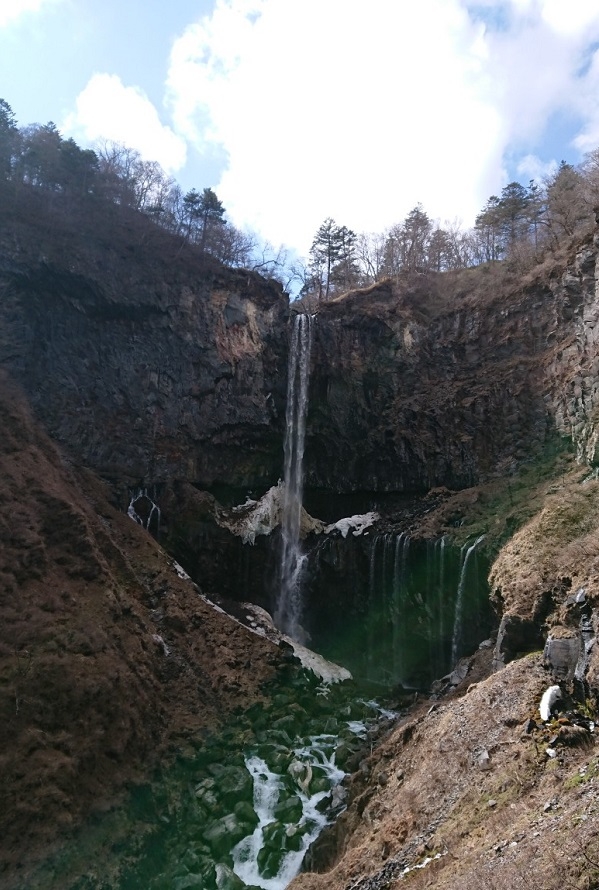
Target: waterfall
(142,495)
(400,562)
(441,603)
(371,634)
(437,595)
(288,612)
(459,604)
(395,609)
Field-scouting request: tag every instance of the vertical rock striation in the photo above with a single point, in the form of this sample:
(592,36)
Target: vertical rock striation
(147,368)
(449,380)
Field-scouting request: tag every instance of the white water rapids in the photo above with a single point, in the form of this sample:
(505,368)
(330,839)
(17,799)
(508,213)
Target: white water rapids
(267,787)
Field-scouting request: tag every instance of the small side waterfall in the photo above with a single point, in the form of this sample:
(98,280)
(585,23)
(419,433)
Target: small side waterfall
(459,603)
(396,609)
(289,607)
(400,561)
(148,507)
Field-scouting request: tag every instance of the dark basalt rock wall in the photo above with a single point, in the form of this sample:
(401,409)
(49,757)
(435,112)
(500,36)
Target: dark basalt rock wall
(148,368)
(406,396)
(151,366)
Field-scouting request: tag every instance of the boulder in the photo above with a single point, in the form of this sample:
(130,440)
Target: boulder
(561,653)
(223,834)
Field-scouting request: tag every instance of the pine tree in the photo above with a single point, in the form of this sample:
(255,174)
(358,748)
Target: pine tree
(211,214)
(202,214)
(487,227)
(566,205)
(513,217)
(417,230)
(332,258)
(9,135)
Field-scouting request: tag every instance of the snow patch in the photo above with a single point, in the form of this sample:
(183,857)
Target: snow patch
(254,518)
(160,642)
(328,671)
(261,622)
(550,696)
(261,517)
(180,571)
(358,523)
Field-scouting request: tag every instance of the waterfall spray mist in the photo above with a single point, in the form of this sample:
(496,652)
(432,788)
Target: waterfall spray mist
(289,607)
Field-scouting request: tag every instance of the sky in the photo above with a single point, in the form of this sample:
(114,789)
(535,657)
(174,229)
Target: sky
(298,110)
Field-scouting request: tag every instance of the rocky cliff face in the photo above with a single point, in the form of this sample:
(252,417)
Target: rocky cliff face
(573,366)
(452,380)
(146,364)
(150,366)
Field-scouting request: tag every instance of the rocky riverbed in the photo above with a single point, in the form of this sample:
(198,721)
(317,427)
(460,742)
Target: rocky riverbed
(241,809)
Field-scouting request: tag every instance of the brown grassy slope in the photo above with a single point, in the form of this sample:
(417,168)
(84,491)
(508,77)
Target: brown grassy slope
(557,551)
(89,699)
(520,818)
(465,779)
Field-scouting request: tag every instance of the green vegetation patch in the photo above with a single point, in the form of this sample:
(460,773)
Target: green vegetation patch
(500,508)
(583,774)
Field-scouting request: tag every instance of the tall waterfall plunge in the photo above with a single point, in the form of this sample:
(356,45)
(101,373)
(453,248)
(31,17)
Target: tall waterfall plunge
(289,607)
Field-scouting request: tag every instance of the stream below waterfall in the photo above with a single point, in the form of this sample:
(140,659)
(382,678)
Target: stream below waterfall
(242,809)
(272,855)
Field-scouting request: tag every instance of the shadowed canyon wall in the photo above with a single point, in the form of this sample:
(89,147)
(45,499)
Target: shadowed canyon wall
(441,383)
(147,365)
(151,367)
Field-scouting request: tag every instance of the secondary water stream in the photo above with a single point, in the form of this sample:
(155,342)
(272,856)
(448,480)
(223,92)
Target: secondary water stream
(459,606)
(241,813)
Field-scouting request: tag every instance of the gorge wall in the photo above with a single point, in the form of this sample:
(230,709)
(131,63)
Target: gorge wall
(153,367)
(451,380)
(146,364)
(158,371)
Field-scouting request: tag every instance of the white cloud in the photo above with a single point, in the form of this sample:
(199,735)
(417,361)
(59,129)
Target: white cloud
(532,167)
(586,100)
(536,62)
(336,109)
(106,109)
(12,10)
(572,18)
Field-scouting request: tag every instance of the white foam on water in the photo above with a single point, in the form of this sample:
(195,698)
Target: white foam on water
(320,752)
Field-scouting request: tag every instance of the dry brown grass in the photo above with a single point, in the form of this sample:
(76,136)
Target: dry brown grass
(558,549)
(526,822)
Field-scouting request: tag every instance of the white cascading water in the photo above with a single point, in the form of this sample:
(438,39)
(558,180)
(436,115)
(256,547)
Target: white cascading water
(400,561)
(459,605)
(440,604)
(288,612)
(141,495)
(267,785)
